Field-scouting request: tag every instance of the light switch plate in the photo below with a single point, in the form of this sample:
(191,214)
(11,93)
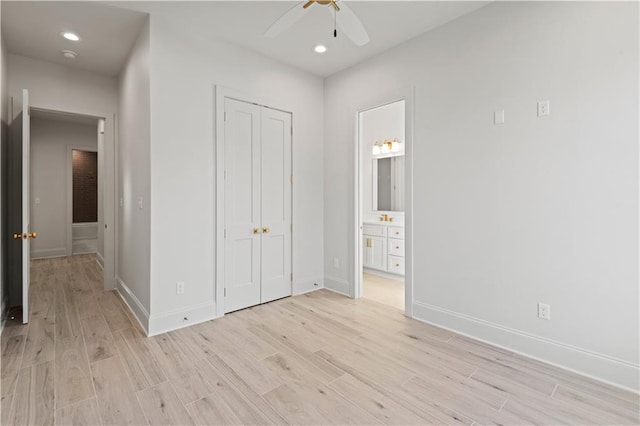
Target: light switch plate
(544,108)
(498,117)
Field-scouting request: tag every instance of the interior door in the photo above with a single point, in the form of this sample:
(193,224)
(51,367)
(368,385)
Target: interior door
(242,205)
(18,254)
(276,205)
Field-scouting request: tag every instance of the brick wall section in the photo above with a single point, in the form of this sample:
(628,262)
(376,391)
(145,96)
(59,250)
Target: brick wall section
(85,186)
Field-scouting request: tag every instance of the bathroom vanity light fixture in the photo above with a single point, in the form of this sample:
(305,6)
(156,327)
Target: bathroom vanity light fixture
(387,147)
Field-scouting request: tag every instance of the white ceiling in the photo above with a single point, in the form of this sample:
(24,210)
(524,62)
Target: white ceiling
(108,32)
(33,29)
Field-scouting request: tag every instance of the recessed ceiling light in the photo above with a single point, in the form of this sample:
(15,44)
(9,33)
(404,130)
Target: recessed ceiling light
(69,54)
(320,48)
(70,36)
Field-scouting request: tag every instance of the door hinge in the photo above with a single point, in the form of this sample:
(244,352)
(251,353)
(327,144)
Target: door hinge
(225,292)
(225,116)
(225,233)
(291,178)
(292,227)
(225,174)
(292,276)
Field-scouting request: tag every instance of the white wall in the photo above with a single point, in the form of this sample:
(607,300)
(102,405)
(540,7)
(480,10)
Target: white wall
(4,133)
(59,88)
(538,209)
(49,142)
(378,125)
(185,69)
(133,179)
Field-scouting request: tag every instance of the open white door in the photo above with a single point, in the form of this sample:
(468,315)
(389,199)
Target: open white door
(19,253)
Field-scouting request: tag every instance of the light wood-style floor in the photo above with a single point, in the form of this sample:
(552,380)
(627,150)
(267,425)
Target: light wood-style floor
(318,358)
(383,290)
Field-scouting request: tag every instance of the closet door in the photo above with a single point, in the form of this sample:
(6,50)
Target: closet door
(276,204)
(242,205)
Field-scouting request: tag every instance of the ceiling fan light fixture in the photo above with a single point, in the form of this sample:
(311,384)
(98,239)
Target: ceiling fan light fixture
(70,36)
(69,54)
(320,48)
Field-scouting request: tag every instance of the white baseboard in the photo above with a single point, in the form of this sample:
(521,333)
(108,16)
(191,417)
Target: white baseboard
(134,304)
(307,285)
(100,260)
(46,253)
(604,368)
(337,285)
(384,274)
(169,321)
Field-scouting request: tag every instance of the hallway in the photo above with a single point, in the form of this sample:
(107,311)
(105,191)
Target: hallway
(317,358)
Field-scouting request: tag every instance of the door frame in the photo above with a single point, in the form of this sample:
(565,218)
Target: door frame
(109,155)
(69,193)
(405,94)
(220,94)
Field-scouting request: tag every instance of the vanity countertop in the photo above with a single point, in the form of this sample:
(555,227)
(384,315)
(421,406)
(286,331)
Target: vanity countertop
(385,223)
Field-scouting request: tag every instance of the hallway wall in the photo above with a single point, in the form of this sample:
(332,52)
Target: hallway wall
(49,141)
(4,133)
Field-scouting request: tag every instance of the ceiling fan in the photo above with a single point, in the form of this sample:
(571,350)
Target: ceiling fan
(345,19)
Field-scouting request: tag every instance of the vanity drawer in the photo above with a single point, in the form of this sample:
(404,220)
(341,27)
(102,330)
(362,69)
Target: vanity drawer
(396,232)
(395,265)
(375,230)
(396,247)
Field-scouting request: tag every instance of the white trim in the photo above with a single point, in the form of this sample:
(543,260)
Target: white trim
(133,303)
(337,292)
(100,260)
(181,318)
(355,287)
(338,285)
(308,285)
(604,368)
(384,274)
(47,253)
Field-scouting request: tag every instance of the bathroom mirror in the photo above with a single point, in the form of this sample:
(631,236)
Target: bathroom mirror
(388,184)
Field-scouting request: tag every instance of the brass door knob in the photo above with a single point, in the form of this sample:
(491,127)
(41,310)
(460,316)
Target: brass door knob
(32,235)
(17,236)
(266,230)
(256,230)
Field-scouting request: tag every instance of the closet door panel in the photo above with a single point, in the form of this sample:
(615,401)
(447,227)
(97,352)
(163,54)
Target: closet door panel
(242,205)
(276,204)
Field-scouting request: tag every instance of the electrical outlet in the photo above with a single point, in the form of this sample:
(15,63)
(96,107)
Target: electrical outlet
(543,108)
(180,287)
(336,262)
(544,311)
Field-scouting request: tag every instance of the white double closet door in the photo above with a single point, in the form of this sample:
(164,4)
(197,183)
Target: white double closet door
(257,199)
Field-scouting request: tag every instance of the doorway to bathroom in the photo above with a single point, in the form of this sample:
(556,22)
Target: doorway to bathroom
(382,192)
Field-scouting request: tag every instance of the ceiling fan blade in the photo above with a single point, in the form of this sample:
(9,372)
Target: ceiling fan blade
(349,23)
(286,20)
(309,3)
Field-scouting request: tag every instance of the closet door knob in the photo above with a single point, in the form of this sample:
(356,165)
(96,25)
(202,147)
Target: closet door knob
(256,230)
(266,230)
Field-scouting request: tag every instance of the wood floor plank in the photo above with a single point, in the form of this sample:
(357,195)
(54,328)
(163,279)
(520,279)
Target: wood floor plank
(162,406)
(84,412)
(116,397)
(140,363)
(171,358)
(12,350)
(213,410)
(111,308)
(5,408)
(67,322)
(256,375)
(34,398)
(98,338)
(383,408)
(73,381)
(192,388)
(238,394)
(39,346)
